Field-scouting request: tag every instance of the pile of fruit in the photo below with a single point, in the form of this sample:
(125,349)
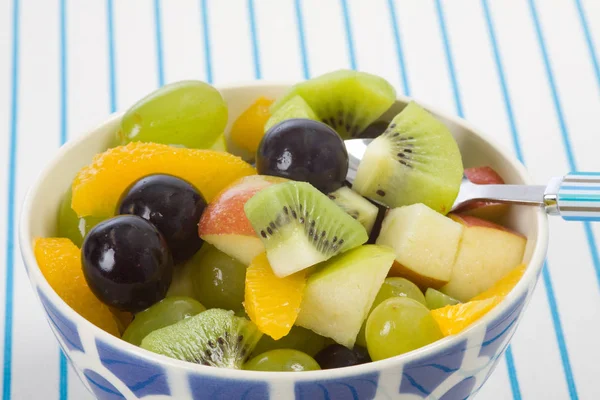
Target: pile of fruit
(184,249)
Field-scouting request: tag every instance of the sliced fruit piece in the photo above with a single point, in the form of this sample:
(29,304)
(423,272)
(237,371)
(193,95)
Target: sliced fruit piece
(249,128)
(164,313)
(436,299)
(425,243)
(346,100)
(374,130)
(272,303)
(399,325)
(486,253)
(391,287)
(295,107)
(213,337)
(300,226)
(298,338)
(282,360)
(416,160)
(99,185)
(503,287)
(60,262)
(340,294)
(453,319)
(218,280)
(224,223)
(220,144)
(484,209)
(356,206)
(188,113)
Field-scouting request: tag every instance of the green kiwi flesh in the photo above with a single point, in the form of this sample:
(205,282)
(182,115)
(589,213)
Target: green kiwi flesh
(214,337)
(295,107)
(356,206)
(416,160)
(346,100)
(300,226)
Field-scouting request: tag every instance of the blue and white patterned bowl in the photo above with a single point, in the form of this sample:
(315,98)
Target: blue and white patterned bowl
(453,368)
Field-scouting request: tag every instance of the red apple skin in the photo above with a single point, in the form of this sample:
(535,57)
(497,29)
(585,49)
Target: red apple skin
(224,223)
(485,209)
(471,221)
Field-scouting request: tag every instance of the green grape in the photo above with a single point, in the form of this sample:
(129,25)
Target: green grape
(298,338)
(191,114)
(218,279)
(182,284)
(164,313)
(392,287)
(399,325)
(282,360)
(436,299)
(72,227)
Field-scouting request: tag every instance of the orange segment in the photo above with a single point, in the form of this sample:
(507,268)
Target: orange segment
(60,262)
(249,128)
(453,319)
(98,186)
(504,285)
(272,303)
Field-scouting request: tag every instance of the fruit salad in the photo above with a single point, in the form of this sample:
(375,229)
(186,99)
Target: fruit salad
(270,260)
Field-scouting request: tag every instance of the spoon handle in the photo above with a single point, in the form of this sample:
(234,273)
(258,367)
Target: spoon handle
(575,197)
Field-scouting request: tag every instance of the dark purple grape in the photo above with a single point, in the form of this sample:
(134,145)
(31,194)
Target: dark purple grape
(304,150)
(126,263)
(374,130)
(173,206)
(338,356)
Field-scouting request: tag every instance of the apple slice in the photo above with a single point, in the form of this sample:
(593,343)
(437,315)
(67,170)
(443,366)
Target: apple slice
(425,243)
(486,253)
(224,223)
(484,209)
(338,297)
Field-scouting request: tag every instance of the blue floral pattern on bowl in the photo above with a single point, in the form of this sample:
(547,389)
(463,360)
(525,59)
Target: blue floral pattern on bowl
(449,372)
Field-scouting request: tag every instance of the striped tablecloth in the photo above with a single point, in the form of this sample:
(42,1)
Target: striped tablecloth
(525,71)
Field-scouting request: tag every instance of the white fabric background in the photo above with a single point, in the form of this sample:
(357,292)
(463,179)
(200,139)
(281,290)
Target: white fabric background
(525,71)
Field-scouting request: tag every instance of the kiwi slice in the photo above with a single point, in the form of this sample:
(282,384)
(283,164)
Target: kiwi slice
(416,160)
(356,206)
(346,100)
(301,226)
(214,337)
(295,107)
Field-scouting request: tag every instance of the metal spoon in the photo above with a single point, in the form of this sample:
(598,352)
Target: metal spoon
(575,196)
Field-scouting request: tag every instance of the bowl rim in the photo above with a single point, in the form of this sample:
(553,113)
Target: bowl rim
(35,275)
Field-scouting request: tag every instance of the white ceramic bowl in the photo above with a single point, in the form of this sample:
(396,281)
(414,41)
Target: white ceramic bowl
(452,368)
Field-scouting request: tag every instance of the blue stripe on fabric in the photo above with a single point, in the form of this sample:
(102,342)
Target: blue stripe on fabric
(588,39)
(206,33)
(562,346)
(517,147)
(589,234)
(399,49)
(512,374)
(63,380)
(10,217)
(111,56)
(254,36)
(159,43)
(349,37)
(510,364)
(449,59)
(302,38)
(580,218)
